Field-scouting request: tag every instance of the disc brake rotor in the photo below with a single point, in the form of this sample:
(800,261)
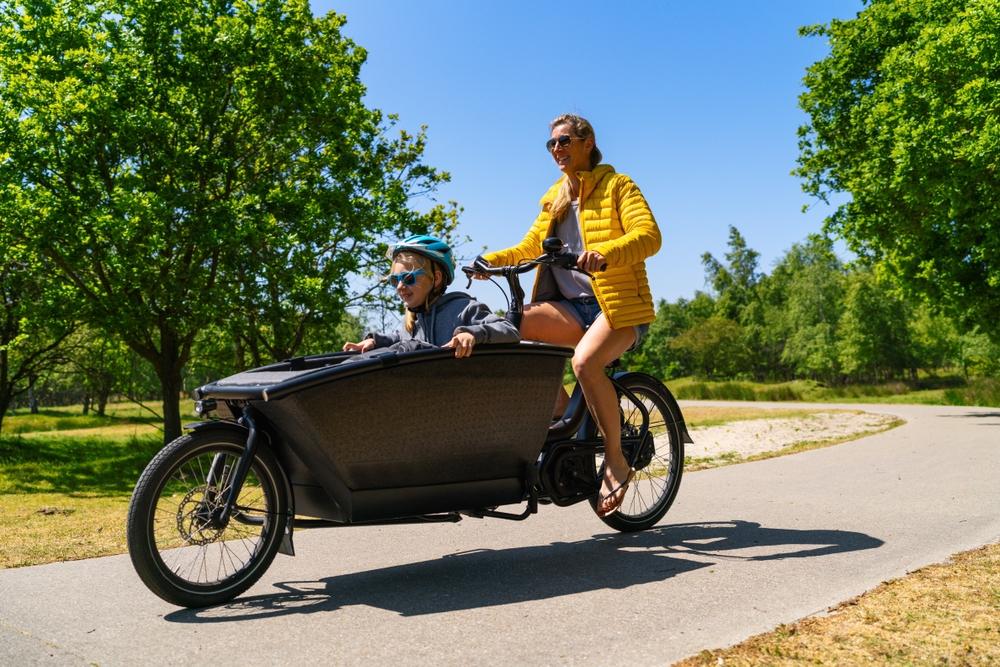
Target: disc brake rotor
(194,517)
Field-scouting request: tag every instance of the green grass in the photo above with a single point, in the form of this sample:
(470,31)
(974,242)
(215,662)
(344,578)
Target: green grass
(62,450)
(60,420)
(66,478)
(64,498)
(92,465)
(71,417)
(51,527)
(941,391)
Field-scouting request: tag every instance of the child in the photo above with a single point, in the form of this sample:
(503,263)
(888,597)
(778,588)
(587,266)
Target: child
(422,269)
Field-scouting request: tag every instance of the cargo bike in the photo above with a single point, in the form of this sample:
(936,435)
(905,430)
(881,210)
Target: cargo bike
(331,440)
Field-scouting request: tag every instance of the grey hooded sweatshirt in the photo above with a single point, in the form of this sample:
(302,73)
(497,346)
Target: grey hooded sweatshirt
(450,314)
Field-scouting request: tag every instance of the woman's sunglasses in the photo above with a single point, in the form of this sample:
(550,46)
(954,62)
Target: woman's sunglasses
(563,140)
(408,278)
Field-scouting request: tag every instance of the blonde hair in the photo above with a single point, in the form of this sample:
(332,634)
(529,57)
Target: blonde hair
(582,128)
(412,260)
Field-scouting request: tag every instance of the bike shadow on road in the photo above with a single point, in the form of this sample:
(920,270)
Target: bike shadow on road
(978,415)
(488,577)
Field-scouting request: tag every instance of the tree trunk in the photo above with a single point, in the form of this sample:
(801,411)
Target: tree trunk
(32,399)
(86,405)
(102,401)
(167,361)
(172,386)
(5,400)
(173,355)
(5,388)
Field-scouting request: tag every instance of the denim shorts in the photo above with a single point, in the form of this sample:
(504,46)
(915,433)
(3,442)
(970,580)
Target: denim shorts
(585,310)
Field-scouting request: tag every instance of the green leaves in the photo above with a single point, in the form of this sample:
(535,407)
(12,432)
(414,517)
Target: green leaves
(181,163)
(904,118)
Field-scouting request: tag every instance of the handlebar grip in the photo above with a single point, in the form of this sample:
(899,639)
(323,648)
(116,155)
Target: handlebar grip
(566,260)
(479,267)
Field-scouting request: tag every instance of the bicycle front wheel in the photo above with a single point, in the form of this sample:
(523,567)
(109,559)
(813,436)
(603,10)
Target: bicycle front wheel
(656,449)
(178,547)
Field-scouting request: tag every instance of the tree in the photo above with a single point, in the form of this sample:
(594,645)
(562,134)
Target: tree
(875,342)
(936,342)
(101,365)
(189,164)
(33,320)
(904,117)
(811,281)
(716,347)
(979,355)
(734,282)
(737,287)
(655,354)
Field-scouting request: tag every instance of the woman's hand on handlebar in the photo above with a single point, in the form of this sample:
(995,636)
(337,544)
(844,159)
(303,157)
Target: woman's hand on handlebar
(591,261)
(363,346)
(463,342)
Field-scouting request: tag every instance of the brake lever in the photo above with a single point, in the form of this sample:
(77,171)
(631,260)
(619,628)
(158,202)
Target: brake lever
(470,271)
(569,260)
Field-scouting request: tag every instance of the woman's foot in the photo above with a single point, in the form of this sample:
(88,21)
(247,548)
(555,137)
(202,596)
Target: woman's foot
(613,489)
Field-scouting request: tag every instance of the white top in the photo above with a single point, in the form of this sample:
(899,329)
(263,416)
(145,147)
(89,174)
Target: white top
(572,284)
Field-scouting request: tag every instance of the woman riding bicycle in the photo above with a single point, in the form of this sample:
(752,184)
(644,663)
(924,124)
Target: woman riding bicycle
(603,217)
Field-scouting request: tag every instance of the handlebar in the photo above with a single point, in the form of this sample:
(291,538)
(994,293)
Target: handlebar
(555,254)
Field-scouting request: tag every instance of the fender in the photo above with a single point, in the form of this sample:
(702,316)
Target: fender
(669,397)
(286,547)
(218,425)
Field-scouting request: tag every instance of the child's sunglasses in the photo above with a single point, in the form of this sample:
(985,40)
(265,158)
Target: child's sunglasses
(408,278)
(563,140)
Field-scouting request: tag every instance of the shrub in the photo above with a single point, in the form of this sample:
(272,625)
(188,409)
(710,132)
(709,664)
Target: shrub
(981,391)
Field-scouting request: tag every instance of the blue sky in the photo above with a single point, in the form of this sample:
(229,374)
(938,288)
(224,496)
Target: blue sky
(697,101)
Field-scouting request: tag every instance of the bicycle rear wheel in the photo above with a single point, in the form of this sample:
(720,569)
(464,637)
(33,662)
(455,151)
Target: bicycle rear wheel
(656,449)
(179,550)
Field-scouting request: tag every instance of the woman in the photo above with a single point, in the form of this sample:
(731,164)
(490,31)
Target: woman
(602,216)
(422,269)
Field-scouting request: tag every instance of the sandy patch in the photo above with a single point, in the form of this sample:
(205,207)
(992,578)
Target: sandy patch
(756,436)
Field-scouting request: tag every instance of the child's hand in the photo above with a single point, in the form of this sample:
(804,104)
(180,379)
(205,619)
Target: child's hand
(363,346)
(463,343)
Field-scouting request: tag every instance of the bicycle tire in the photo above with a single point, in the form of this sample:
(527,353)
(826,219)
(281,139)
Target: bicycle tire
(175,550)
(656,483)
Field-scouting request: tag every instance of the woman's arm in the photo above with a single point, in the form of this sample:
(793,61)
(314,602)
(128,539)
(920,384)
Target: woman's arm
(529,247)
(642,235)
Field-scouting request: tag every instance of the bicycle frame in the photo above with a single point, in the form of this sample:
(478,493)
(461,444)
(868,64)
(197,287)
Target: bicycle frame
(563,473)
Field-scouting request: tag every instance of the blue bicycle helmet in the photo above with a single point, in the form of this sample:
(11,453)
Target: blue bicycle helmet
(432,248)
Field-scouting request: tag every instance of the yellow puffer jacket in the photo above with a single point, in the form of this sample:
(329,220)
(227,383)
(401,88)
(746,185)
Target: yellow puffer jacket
(615,221)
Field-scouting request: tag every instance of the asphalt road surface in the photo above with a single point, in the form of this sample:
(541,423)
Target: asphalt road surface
(744,548)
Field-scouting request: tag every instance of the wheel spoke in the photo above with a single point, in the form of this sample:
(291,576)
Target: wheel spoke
(654,484)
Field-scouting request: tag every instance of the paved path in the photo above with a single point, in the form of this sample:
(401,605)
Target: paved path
(745,548)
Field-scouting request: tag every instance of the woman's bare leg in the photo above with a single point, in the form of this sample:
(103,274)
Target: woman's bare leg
(549,323)
(598,347)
